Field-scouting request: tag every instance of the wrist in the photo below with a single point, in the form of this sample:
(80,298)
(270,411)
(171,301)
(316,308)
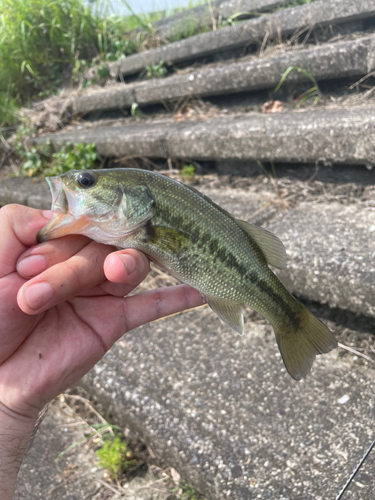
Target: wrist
(15,433)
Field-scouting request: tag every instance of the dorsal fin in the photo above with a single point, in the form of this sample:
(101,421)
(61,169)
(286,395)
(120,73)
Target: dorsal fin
(271,246)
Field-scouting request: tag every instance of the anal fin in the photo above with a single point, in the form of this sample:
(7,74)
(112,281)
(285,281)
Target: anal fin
(230,313)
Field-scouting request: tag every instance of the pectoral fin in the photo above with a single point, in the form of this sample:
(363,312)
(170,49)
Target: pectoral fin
(272,248)
(137,206)
(231,314)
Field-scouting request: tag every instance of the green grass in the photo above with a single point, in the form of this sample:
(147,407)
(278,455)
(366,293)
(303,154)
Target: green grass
(8,109)
(115,457)
(188,171)
(46,44)
(156,70)
(312,93)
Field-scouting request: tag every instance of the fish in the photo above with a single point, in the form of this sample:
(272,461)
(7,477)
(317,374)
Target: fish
(183,231)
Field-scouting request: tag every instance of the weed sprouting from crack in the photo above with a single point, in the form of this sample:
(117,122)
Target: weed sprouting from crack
(312,93)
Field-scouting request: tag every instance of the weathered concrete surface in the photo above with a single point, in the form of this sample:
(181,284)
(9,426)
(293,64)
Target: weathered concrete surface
(334,60)
(202,17)
(79,474)
(190,20)
(211,402)
(227,9)
(284,22)
(329,135)
(331,254)
(39,477)
(30,192)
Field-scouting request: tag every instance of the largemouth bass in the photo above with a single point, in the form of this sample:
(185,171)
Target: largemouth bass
(198,242)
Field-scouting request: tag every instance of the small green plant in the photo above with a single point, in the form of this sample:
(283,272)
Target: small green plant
(41,160)
(121,49)
(187,492)
(156,70)
(135,111)
(77,156)
(99,429)
(188,171)
(115,457)
(312,93)
(103,71)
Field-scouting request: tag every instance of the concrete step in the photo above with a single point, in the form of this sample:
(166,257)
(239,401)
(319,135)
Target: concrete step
(78,475)
(320,13)
(334,135)
(202,17)
(221,409)
(330,61)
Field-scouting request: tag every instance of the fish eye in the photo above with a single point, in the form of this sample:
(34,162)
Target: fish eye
(85,180)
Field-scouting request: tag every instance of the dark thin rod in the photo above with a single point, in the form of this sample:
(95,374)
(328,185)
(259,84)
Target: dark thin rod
(355,471)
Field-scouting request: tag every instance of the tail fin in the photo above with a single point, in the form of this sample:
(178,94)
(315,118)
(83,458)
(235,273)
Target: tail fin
(299,348)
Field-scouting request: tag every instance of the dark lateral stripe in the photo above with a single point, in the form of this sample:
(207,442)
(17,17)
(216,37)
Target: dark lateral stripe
(203,239)
(286,309)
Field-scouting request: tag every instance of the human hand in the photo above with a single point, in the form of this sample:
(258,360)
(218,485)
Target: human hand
(62,307)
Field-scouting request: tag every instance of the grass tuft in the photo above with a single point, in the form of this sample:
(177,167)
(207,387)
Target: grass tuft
(312,93)
(47,44)
(115,457)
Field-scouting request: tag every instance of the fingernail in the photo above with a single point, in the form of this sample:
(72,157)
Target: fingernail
(36,296)
(31,266)
(129,263)
(48,214)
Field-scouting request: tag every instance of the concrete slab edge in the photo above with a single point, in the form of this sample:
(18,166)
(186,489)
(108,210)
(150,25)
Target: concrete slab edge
(323,136)
(284,22)
(334,60)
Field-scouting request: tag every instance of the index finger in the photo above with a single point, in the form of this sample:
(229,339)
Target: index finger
(19,227)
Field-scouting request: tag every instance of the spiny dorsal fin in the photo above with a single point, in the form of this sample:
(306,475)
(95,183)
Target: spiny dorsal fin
(271,246)
(231,314)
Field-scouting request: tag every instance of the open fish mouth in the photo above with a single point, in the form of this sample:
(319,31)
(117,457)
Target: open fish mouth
(64,221)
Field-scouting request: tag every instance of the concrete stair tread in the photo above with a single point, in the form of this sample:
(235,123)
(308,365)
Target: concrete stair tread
(329,61)
(332,135)
(209,402)
(201,16)
(281,23)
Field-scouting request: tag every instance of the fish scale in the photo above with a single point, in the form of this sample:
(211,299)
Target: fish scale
(198,242)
